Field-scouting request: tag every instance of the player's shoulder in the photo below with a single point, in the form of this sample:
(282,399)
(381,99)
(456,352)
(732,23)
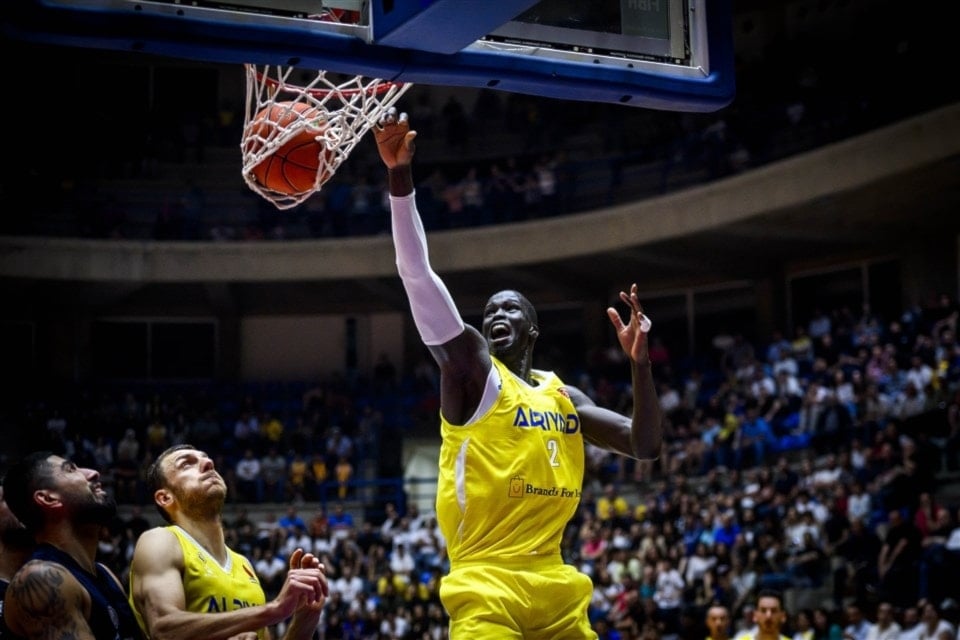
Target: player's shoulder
(37,568)
(577,396)
(157,535)
(41,576)
(158,544)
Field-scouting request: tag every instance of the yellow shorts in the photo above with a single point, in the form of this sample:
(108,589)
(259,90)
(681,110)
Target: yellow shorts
(535,600)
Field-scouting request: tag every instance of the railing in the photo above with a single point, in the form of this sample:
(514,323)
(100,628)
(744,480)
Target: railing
(365,499)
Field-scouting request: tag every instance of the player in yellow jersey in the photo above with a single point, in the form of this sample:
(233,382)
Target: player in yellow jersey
(769,616)
(718,622)
(186,583)
(512,456)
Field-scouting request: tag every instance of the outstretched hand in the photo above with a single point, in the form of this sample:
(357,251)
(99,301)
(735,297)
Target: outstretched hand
(633,334)
(395,139)
(305,587)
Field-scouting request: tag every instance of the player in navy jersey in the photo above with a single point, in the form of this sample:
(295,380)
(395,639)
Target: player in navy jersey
(62,591)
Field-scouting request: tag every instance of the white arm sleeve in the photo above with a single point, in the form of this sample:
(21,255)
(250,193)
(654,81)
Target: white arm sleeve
(434,312)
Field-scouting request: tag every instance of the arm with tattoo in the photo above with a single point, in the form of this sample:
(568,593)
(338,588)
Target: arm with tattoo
(45,602)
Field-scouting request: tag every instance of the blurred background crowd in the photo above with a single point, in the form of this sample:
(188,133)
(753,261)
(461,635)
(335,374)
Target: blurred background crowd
(824,465)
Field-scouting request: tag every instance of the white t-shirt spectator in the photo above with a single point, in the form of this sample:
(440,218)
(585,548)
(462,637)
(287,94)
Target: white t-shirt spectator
(859,506)
(953,541)
(857,631)
(298,541)
(348,585)
(323,544)
(942,630)
(698,565)
(920,374)
(270,567)
(394,626)
(892,632)
(911,633)
(786,363)
(273,467)
(669,589)
(401,560)
(248,469)
(669,399)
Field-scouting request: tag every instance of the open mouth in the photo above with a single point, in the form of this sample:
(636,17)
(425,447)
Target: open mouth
(499,331)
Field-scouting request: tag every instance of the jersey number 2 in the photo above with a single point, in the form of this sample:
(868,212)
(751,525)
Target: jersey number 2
(554,448)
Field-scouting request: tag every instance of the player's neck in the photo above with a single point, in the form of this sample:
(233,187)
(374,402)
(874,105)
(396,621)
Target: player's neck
(519,366)
(208,534)
(80,543)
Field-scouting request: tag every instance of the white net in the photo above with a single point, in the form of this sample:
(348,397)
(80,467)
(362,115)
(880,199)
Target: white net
(281,115)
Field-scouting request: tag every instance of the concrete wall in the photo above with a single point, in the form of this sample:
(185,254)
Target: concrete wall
(304,347)
(799,180)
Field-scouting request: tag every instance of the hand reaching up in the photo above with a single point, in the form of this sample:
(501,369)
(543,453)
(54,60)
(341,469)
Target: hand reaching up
(395,139)
(633,334)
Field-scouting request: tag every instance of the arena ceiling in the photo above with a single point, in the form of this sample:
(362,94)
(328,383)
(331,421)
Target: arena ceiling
(915,208)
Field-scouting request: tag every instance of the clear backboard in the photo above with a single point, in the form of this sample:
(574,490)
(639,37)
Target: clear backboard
(674,55)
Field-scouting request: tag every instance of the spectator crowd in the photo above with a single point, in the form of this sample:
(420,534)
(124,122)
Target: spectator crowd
(822,466)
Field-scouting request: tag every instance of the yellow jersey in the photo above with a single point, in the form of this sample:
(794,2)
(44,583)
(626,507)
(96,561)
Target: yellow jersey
(510,481)
(209,587)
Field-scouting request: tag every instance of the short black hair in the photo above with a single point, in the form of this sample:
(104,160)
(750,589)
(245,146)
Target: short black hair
(770,593)
(529,310)
(156,479)
(28,474)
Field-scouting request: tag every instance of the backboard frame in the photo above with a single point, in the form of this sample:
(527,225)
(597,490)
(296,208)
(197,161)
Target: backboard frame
(503,60)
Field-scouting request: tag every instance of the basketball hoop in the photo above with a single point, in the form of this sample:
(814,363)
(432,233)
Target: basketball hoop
(336,111)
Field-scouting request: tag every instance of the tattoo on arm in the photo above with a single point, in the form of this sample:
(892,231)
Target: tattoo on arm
(45,605)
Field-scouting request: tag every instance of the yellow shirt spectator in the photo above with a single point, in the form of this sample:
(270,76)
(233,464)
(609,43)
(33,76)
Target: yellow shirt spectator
(271,429)
(611,505)
(318,467)
(297,474)
(344,471)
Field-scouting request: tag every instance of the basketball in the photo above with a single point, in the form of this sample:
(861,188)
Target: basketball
(292,168)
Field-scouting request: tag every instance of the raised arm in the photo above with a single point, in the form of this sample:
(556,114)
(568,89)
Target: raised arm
(157,593)
(459,349)
(306,616)
(640,435)
(44,600)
